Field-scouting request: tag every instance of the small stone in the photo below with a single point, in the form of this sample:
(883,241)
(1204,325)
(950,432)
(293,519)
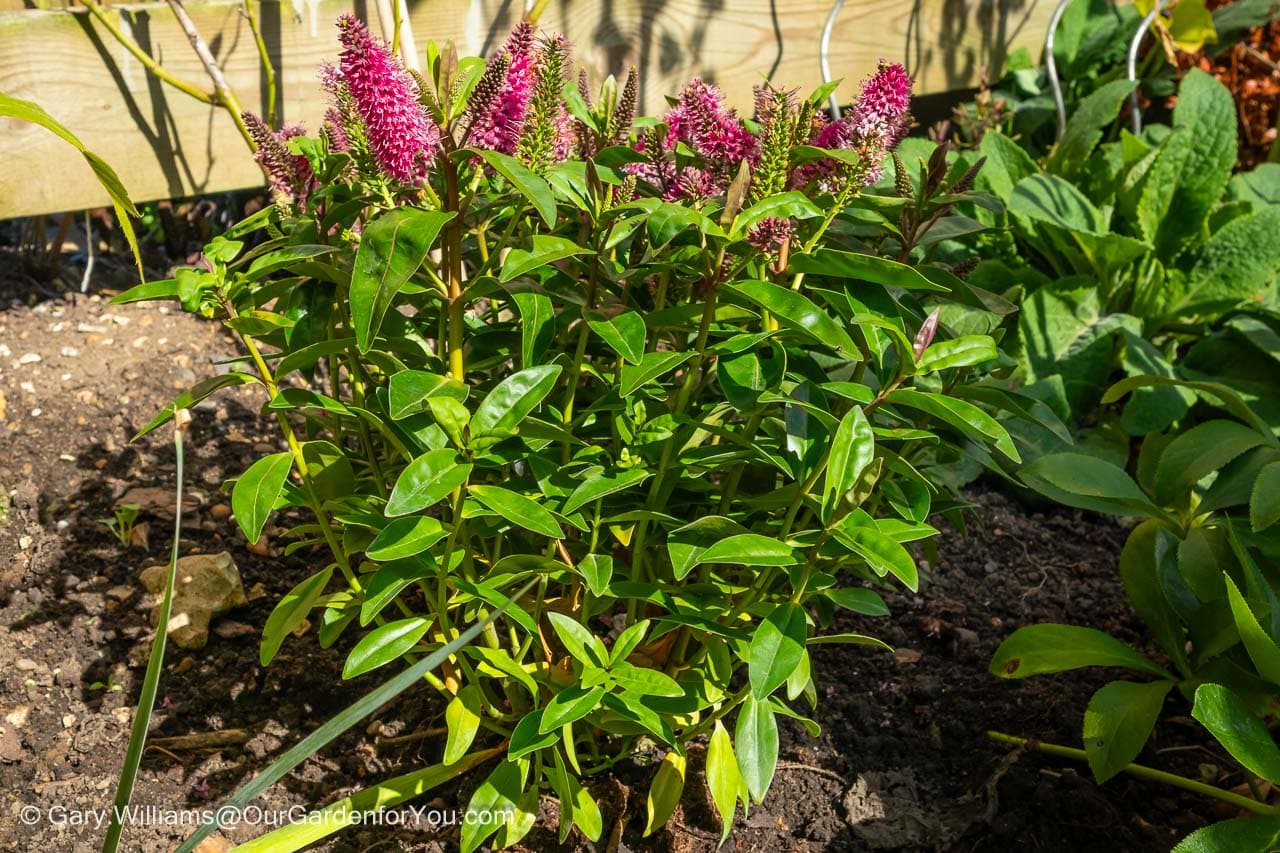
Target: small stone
(208,585)
(71,352)
(260,548)
(120,593)
(907,656)
(68,720)
(229,630)
(220,511)
(17,717)
(66,457)
(30,358)
(24,542)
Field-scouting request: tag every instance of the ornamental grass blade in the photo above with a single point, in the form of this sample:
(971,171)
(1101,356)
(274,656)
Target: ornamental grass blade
(338,724)
(151,681)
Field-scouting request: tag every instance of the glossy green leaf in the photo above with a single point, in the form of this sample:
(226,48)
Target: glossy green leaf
(199,392)
(964,351)
(257,490)
(492,801)
(776,648)
(392,248)
(462,717)
(1037,649)
(664,792)
(532,187)
(966,417)
(723,777)
(597,571)
(388,581)
(578,640)
(537,326)
(750,549)
(1262,647)
(865,601)
(624,332)
(545,250)
(798,313)
(405,537)
(569,705)
(426,481)
(290,613)
(1238,729)
(1087,482)
(519,510)
(1118,722)
(1264,499)
(603,485)
(652,365)
(385,644)
(502,410)
(883,555)
(872,268)
(408,391)
(644,681)
(1199,452)
(756,736)
(852,449)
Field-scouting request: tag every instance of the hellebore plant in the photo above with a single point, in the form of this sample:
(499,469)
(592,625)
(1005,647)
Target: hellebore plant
(512,333)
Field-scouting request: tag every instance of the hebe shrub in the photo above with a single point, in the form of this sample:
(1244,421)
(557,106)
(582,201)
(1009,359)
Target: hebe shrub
(511,332)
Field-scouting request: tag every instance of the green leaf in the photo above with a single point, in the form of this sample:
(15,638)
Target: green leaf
(1238,729)
(409,391)
(462,716)
(384,644)
(1198,452)
(288,256)
(1094,114)
(257,491)
(1140,573)
(796,312)
(603,485)
(723,777)
(110,181)
(750,549)
(597,571)
(757,738)
(883,554)
(1264,500)
(1119,721)
(1087,482)
(1239,834)
(502,410)
(527,736)
(644,681)
(1191,26)
(1261,646)
(872,268)
(546,250)
(786,205)
(1038,649)
(494,799)
(1238,264)
(569,705)
(627,641)
(389,580)
(290,613)
(532,187)
(188,399)
(519,510)
(405,537)
(963,351)
(1227,397)
(392,248)
(664,793)
(776,648)
(624,332)
(966,417)
(865,601)
(852,449)
(578,640)
(426,481)
(651,366)
(537,326)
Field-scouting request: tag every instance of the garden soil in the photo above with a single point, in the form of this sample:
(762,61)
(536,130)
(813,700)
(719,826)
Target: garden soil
(902,762)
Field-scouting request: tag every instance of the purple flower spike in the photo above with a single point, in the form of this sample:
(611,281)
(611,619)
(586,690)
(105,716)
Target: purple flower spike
(886,94)
(770,233)
(287,172)
(701,121)
(499,125)
(402,139)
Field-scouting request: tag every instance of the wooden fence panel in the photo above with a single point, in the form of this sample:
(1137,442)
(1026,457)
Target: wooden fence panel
(165,144)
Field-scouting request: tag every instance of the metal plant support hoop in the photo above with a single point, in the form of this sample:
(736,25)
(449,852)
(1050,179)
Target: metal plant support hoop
(1135,111)
(824,50)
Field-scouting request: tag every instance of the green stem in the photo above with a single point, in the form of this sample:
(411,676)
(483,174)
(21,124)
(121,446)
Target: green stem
(264,57)
(1144,772)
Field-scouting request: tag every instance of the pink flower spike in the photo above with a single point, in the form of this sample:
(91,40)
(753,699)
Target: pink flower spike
(499,127)
(885,96)
(402,138)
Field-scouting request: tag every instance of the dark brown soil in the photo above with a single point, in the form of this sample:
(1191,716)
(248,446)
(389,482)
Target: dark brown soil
(902,762)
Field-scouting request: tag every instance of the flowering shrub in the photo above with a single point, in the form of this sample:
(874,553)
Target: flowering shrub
(512,332)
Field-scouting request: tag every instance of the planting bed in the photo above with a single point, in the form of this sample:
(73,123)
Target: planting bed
(902,760)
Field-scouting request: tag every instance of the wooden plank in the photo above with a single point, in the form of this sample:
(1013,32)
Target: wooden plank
(165,144)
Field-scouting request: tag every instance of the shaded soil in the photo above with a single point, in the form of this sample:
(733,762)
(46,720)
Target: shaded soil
(902,761)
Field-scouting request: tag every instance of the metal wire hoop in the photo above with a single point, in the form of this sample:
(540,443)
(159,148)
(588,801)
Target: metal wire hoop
(824,50)
(1135,111)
